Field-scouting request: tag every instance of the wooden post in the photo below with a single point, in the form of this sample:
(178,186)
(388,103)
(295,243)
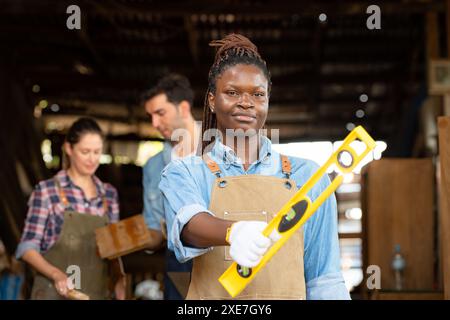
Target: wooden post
(431,36)
(448,27)
(444,200)
(447,19)
(447,104)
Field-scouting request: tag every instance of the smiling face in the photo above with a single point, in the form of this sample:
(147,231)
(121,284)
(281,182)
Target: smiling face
(241,99)
(85,155)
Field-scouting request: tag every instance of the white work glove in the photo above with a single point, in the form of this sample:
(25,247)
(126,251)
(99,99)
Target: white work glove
(248,244)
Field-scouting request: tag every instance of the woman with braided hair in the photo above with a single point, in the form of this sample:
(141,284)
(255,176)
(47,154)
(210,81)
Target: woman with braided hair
(218,202)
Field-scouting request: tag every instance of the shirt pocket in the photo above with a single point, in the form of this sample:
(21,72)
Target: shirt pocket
(243,216)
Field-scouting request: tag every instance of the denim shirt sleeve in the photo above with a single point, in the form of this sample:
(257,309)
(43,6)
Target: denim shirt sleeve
(327,287)
(182,200)
(322,257)
(153,211)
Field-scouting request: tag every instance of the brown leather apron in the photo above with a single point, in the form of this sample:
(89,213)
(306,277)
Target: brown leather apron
(76,245)
(251,197)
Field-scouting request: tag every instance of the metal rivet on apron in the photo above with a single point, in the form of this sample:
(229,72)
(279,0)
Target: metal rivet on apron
(225,212)
(288,185)
(222,183)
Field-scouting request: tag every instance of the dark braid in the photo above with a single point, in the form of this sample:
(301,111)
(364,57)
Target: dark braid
(232,50)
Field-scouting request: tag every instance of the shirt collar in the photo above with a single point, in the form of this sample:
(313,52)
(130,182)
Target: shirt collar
(228,156)
(65,181)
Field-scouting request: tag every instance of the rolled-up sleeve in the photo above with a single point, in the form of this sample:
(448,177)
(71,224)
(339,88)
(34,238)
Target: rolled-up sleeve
(327,287)
(183,199)
(35,222)
(322,256)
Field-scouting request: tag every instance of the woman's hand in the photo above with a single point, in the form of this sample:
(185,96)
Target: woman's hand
(120,288)
(61,282)
(247,242)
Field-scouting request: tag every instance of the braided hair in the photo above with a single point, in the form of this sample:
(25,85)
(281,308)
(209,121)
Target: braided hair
(232,50)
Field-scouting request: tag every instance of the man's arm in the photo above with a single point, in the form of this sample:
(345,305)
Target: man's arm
(152,222)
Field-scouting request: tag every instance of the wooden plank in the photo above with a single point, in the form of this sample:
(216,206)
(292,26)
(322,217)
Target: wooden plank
(446,105)
(444,200)
(399,198)
(431,35)
(124,237)
(447,25)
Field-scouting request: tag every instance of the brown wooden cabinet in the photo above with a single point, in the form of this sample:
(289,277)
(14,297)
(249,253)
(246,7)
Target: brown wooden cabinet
(397,200)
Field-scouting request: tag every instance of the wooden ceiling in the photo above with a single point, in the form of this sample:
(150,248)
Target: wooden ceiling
(319,69)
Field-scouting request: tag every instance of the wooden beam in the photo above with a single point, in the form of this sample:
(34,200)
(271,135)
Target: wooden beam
(446,111)
(444,201)
(269,9)
(447,25)
(431,36)
(192,35)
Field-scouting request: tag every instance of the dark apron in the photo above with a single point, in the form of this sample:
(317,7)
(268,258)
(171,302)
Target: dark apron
(77,246)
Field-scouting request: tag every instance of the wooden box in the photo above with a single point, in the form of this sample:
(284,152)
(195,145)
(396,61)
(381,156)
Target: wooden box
(124,237)
(398,208)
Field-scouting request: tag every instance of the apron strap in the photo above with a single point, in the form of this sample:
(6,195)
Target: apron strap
(285,165)
(62,194)
(65,201)
(212,165)
(105,205)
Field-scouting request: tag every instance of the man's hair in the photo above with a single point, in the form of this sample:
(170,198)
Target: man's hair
(175,86)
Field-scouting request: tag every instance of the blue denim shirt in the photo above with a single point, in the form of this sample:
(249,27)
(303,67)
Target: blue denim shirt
(154,211)
(186,185)
(153,201)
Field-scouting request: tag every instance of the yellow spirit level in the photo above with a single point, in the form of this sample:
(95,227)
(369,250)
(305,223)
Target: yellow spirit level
(300,208)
